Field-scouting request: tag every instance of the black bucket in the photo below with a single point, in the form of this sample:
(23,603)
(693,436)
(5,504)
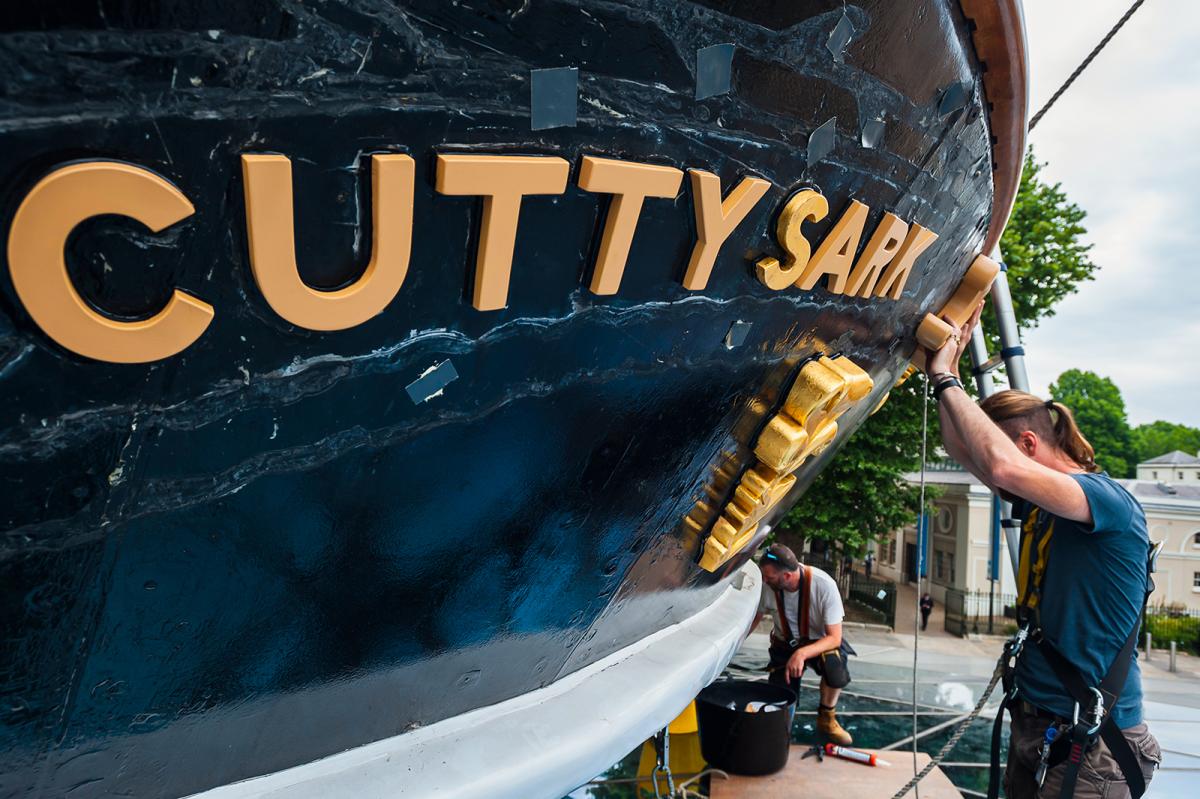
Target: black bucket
(742,742)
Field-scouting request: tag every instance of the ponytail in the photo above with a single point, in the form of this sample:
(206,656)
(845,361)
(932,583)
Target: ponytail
(1068,437)
(1016,411)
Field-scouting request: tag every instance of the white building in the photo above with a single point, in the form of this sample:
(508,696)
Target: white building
(960,537)
(1174,467)
(961,529)
(1173,516)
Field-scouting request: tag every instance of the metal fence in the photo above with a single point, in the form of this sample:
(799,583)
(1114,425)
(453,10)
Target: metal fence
(878,596)
(973,612)
(1167,623)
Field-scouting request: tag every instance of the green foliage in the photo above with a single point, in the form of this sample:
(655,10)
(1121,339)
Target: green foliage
(1159,438)
(862,494)
(1042,247)
(1167,624)
(1100,413)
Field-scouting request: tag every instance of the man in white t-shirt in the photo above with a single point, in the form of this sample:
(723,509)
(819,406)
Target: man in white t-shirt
(807,633)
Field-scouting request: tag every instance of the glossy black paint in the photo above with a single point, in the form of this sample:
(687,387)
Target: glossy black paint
(261,551)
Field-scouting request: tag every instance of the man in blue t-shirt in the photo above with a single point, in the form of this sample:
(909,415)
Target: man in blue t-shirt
(1083,577)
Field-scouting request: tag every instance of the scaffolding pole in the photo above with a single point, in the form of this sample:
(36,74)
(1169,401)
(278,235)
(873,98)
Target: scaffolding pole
(1012,357)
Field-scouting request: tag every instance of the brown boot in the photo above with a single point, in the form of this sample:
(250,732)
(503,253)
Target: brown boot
(827,725)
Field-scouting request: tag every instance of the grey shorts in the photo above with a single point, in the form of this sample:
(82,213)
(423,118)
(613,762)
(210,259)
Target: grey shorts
(831,666)
(1099,776)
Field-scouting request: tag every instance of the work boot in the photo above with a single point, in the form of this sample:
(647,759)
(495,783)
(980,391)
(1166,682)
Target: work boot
(827,725)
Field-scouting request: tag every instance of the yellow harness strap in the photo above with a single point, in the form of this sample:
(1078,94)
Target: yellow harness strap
(1035,551)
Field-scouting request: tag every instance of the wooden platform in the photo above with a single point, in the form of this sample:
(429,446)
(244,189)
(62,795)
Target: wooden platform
(836,779)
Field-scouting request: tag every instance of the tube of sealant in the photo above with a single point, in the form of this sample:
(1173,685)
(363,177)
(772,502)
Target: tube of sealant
(866,758)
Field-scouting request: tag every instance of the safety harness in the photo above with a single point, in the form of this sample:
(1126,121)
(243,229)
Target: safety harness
(1091,719)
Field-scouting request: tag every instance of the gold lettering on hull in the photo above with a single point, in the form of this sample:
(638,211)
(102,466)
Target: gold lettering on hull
(880,250)
(67,196)
(896,275)
(806,205)
(835,254)
(44,220)
(716,219)
(503,181)
(630,184)
(881,270)
(269,226)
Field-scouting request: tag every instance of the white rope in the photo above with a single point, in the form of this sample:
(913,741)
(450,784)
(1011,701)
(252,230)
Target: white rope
(921,554)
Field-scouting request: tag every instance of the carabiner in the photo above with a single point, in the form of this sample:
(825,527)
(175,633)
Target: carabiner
(1097,712)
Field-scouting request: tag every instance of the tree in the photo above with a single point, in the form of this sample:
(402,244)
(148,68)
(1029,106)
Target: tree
(1042,247)
(1100,413)
(862,494)
(1159,438)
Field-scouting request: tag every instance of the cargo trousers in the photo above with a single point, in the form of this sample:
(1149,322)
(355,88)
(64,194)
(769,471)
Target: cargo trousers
(1099,775)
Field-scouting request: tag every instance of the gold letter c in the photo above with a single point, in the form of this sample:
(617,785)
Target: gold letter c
(44,220)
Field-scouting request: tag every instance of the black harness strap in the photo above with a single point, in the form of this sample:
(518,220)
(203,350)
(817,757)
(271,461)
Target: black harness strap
(1095,704)
(1012,650)
(1074,748)
(997,731)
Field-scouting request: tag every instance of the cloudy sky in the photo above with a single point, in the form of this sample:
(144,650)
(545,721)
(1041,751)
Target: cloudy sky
(1124,141)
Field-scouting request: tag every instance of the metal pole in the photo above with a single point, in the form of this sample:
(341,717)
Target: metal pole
(977,349)
(1149,641)
(1172,667)
(1013,355)
(1011,350)
(993,563)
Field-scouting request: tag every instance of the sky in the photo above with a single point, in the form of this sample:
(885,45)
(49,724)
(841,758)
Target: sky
(1124,141)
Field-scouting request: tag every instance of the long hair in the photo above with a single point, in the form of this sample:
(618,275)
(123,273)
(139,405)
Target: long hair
(1016,411)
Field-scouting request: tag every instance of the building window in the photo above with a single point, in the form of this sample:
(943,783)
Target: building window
(1196,540)
(1181,475)
(953,579)
(1196,581)
(1155,475)
(892,550)
(938,563)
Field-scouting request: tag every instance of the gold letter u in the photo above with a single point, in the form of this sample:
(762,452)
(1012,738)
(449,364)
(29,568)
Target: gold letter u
(269,227)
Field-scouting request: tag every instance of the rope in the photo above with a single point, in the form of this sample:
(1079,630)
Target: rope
(920,563)
(1079,69)
(958,733)
(997,673)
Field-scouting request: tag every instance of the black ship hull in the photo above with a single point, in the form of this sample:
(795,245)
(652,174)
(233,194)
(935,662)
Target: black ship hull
(281,543)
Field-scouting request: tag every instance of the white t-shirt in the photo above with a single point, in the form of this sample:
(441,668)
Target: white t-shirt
(824,605)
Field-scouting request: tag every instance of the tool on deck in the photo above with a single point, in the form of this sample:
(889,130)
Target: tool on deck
(815,749)
(846,753)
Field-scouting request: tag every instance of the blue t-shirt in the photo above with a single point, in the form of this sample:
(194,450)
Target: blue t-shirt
(1091,598)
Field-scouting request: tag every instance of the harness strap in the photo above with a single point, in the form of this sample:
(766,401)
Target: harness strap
(1034,547)
(802,601)
(1127,759)
(993,791)
(1110,689)
(783,622)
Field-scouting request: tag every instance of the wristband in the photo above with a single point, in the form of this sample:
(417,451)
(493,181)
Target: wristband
(943,385)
